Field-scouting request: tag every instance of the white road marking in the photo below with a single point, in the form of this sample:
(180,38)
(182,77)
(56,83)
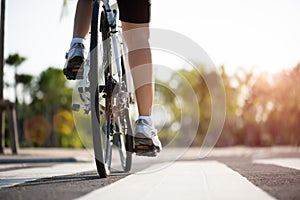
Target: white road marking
(293,163)
(183,180)
(13,177)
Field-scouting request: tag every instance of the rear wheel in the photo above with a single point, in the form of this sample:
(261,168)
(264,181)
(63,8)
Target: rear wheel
(117,105)
(126,157)
(123,140)
(128,143)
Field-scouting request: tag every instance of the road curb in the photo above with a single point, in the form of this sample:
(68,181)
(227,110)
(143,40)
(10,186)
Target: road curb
(37,160)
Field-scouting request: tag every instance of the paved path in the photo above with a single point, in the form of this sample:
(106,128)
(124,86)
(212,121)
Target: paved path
(13,177)
(293,163)
(229,173)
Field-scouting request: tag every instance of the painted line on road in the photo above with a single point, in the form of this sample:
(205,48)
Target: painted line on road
(183,180)
(293,163)
(13,177)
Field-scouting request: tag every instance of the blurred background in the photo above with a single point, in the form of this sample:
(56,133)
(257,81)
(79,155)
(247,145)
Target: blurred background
(254,44)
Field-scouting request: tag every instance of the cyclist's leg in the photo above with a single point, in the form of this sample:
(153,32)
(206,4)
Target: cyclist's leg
(76,54)
(136,37)
(82,21)
(140,62)
(135,17)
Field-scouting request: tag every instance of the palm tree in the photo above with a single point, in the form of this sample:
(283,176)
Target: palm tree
(26,81)
(15,60)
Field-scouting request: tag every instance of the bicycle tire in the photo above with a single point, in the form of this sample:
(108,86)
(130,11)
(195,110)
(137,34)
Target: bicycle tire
(102,168)
(107,120)
(128,144)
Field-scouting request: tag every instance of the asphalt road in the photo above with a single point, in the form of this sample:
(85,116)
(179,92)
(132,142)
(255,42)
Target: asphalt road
(228,173)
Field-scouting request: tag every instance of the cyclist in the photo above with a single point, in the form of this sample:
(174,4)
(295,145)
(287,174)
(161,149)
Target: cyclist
(134,14)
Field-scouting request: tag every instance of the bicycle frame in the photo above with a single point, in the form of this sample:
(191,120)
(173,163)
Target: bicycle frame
(112,21)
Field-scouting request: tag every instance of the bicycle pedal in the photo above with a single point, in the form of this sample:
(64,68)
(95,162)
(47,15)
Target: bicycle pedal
(76,107)
(74,73)
(116,139)
(145,150)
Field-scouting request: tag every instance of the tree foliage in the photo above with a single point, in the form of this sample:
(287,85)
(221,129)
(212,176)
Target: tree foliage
(261,110)
(15,60)
(46,120)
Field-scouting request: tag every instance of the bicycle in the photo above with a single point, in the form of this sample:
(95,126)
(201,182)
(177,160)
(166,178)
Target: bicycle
(109,100)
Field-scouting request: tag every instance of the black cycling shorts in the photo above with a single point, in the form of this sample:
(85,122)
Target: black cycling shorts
(135,11)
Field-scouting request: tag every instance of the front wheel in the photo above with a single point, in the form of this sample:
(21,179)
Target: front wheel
(101,141)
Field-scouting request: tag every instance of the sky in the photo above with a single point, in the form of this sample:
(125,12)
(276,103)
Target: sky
(251,33)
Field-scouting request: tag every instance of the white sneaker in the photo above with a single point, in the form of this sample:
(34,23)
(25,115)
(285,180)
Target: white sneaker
(75,57)
(146,139)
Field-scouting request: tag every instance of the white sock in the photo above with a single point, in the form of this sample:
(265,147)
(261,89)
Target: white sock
(77,40)
(147,118)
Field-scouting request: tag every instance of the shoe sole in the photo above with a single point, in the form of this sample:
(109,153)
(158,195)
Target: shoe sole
(145,147)
(74,70)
